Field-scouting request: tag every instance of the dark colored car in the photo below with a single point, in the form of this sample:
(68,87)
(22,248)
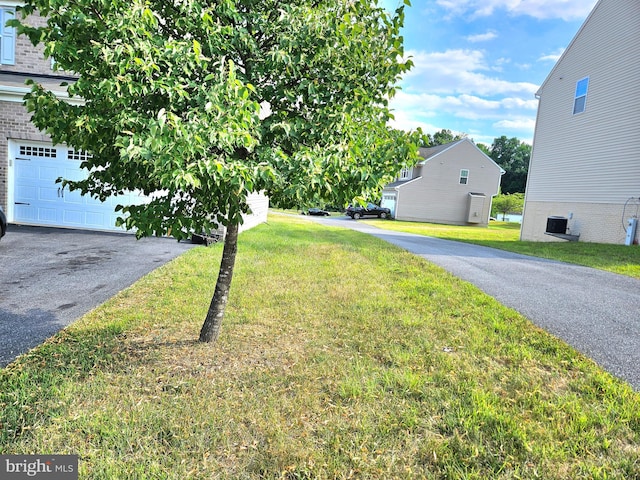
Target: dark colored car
(370,210)
(318,212)
(3,223)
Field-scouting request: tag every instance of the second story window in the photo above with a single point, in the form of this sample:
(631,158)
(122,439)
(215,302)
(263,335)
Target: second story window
(7,37)
(580,101)
(464,176)
(405,174)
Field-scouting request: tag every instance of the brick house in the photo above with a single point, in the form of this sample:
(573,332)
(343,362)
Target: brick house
(30,163)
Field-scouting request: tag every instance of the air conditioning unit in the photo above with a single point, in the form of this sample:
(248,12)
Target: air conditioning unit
(556,225)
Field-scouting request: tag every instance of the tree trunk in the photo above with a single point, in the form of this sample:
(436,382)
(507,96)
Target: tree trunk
(211,327)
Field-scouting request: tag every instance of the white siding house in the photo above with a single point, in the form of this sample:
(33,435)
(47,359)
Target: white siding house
(454,184)
(585,163)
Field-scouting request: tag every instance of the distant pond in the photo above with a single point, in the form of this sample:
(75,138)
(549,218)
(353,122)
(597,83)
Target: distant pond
(509,218)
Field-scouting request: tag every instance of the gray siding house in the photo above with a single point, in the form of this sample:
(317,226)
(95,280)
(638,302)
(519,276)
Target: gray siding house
(454,184)
(30,163)
(585,163)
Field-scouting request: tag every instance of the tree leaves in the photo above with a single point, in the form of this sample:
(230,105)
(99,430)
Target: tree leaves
(172,94)
(513,156)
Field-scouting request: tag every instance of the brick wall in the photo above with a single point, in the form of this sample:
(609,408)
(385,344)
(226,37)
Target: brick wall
(594,222)
(15,122)
(30,59)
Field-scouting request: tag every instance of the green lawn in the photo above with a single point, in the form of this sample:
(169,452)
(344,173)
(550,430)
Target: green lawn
(341,356)
(620,259)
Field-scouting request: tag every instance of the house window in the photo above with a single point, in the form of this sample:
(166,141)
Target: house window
(580,101)
(7,37)
(464,176)
(405,174)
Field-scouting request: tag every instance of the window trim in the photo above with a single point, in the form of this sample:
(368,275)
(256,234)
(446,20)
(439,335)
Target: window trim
(580,96)
(464,175)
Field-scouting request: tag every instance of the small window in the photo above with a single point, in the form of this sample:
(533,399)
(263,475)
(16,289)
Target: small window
(42,152)
(405,174)
(78,155)
(464,177)
(580,101)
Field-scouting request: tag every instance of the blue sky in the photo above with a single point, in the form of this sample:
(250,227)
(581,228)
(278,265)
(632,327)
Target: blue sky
(478,63)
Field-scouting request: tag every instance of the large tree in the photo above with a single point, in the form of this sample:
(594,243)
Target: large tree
(199,103)
(507,203)
(513,156)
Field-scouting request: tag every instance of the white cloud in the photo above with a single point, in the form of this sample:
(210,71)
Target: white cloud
(520,103)
(552,57)
(424,107)
(517,124)
(403,121)
(432,113)
(482,37)
(542,9)
(461,72)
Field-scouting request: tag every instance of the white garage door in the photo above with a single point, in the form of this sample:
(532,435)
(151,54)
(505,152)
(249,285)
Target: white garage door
(389,201)
(39,200)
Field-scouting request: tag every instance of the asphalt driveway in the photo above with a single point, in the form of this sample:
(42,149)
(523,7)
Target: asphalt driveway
(596,312)
(50,277)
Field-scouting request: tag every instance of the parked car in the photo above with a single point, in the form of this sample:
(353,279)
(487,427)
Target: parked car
(371,210)
(318,212)
(3,223)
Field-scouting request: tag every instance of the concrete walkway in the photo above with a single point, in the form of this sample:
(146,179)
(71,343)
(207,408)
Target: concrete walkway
(596,312)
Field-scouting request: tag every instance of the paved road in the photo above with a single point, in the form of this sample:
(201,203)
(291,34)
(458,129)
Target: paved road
(50,277)
(596,312)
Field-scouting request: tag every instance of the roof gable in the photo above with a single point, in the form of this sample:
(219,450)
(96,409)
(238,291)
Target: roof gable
(429,153)
(569,47)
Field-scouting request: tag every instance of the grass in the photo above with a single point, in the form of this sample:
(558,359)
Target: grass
(341,356)
(620,259)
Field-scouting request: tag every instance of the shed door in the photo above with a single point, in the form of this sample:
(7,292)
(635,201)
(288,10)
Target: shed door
(39,200)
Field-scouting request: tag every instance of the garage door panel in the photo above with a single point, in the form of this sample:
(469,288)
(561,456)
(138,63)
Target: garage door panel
(26,193)
(73,198)
(48,174)
(48,194)
(47,216)
(97,220)
(26,170)
(26,213)
(73,217)
(74,173)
